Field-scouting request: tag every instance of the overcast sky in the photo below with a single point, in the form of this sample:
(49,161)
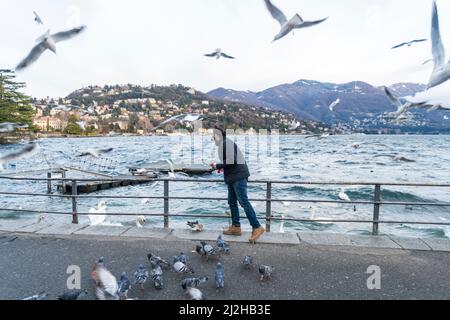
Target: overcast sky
(163,42)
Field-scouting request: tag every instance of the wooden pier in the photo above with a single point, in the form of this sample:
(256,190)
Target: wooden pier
(94,186)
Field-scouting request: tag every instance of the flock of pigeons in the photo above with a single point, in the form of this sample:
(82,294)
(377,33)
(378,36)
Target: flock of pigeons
(107,287)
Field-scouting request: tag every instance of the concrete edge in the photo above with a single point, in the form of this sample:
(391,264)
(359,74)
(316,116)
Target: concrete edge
(300,238)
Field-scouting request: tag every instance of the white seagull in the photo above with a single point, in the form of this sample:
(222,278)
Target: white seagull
(219,54)
(183,119)
(287,26)
(343,196)
(334,104)
(409,44)
(441,71)
(97,218)
(37,18)
(48,41)
(294,125)
(95,152)
(437,98)
(27,151)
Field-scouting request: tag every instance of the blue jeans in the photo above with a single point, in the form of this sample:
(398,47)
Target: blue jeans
(237,192)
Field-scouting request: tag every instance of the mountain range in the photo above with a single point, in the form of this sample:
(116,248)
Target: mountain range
(354,104)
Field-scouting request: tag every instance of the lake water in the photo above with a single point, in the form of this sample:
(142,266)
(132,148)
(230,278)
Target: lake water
(269,158)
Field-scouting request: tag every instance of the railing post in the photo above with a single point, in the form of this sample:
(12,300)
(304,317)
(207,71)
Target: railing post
(74,202)
(166,204)
(49,182)
(376,210)
(268,206)
(63,176)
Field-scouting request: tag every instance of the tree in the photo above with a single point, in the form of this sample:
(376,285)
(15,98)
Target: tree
(133,122)
(72,127)
(14,106)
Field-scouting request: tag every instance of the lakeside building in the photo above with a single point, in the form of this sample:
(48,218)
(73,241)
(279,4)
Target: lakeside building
(49,123)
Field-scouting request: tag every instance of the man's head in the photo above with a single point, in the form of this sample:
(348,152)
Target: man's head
(218,135)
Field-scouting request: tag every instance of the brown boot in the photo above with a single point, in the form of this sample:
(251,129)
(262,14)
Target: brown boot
(233,231)
(256,234)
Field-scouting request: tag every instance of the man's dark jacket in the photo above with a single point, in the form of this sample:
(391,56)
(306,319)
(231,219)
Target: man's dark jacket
(233,162)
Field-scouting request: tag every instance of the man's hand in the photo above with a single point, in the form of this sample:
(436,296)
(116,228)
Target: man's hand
(214,165)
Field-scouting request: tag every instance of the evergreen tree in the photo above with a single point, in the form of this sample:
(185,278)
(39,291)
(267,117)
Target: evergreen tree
(14,105)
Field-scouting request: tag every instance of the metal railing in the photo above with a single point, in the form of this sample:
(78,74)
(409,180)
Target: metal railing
(377,203)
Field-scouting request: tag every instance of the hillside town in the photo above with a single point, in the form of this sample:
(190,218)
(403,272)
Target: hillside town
(129,109)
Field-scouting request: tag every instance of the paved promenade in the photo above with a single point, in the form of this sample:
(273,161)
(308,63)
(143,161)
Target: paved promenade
(34,258)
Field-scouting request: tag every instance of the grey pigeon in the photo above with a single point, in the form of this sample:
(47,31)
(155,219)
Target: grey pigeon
(160,261)
(181,268)
(287,26)
(73,295)
(247,262)
(48,41)
(194,294)
(140,276)
(208,250)
(124,286)
(106,286)
(265,272)
(183,258)
(193,282)
(220,276)
(222,245)
(40,296)
(156,274)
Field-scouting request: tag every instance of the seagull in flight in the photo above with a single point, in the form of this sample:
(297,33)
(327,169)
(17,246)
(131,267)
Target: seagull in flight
(95,153)
(219,54)
(409,44)
(27,151)
(441,71)
(37,18)
(437,98)
(48,41)
(183,119)
(287,26)
(294,125)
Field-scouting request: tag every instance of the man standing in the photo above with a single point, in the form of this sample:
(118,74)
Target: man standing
(236,175)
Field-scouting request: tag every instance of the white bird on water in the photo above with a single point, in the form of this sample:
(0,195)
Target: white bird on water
(97,218)
(140,221)
(48,41)
(287,26)
(441,71)
(343,196)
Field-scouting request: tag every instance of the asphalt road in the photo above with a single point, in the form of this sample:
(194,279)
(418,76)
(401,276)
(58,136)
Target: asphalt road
(30,264)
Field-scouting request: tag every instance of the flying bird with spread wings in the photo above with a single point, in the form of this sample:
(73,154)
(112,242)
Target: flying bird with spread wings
(219,54)
(48,42)
(287,26)
(409,44)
